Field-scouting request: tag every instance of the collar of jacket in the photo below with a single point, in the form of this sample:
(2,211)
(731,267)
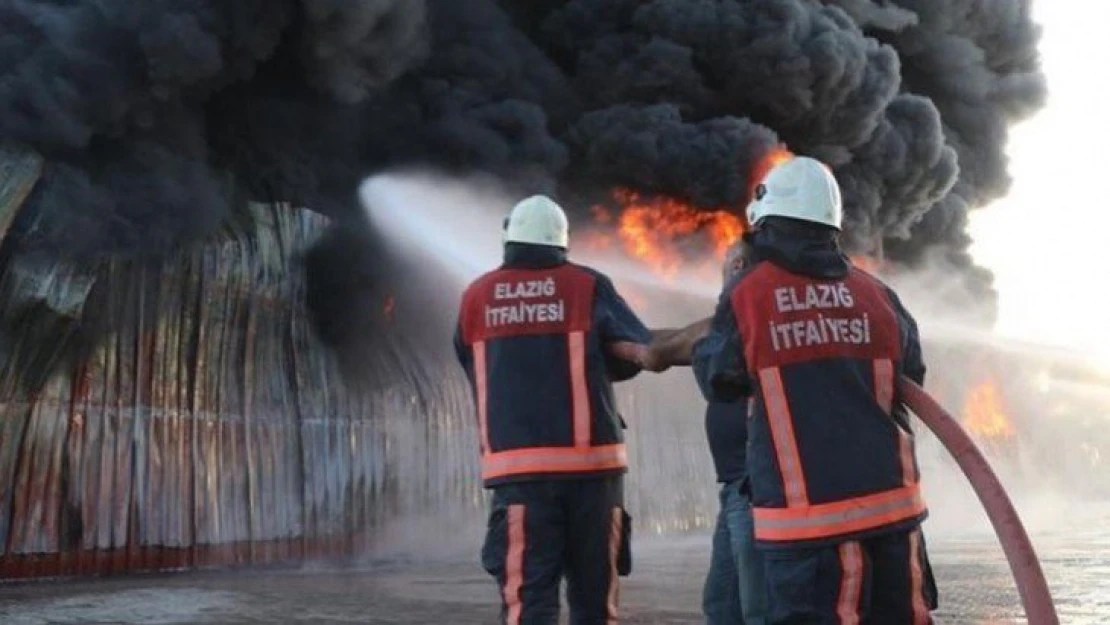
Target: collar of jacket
(528,256)
(799,250)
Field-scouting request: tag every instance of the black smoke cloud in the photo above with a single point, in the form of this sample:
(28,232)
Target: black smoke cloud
(158,117)
(652,149)
(977,62)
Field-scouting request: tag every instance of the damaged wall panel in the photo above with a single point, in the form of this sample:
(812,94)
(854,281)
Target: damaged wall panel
(191,417)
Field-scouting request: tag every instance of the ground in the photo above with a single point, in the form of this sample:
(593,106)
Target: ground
(665,590)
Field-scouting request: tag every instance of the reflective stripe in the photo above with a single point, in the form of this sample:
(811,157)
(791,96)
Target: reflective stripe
(884,384)
(580,395)
(481,382)
(851,583)
(917,585)
(782,431)
(614,553)
(837,518)
(905,451)
(884,395)
(514,565)
(553,460)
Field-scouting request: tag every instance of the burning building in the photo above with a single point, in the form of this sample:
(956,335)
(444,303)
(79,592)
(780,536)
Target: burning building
(198,370)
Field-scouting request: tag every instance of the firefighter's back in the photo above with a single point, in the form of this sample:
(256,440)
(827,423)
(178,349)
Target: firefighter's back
(833,456)
(544,403)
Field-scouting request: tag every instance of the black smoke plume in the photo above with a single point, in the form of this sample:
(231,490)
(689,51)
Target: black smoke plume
(158,117)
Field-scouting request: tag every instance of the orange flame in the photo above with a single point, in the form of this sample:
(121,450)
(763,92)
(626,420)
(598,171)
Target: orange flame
(664,233)
(984,414)
(387,308)
(667,234)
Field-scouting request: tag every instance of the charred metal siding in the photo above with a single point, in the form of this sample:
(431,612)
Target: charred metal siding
(204,424)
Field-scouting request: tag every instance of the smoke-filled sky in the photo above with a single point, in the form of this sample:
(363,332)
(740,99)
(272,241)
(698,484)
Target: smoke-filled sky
(1048,242)
(158,117)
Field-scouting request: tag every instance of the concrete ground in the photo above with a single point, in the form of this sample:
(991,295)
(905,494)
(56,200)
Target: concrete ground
(664,590)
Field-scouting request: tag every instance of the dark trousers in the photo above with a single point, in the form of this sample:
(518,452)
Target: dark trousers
(540,532)
(884,580)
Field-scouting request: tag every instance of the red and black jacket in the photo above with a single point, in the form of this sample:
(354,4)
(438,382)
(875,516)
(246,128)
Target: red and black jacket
(530,337)
(820,344)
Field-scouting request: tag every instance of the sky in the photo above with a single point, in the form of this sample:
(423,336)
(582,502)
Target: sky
(1048,241)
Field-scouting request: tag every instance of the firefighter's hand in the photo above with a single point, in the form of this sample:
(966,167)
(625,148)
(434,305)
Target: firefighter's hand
(653,360)
(642,355)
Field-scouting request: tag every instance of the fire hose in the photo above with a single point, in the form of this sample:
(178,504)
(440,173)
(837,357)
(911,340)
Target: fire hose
(1032,587)
(1026,568)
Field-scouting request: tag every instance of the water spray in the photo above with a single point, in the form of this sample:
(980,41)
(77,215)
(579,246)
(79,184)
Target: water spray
(1026,568)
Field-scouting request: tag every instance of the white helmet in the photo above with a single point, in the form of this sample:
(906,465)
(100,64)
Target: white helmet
(801,188)
(537,220)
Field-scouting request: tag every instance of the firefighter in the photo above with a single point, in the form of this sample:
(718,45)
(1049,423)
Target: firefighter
(534,338)
(818,345)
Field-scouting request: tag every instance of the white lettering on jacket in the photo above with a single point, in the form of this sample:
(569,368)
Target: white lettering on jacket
(525,289)
(521,311)
(814,297)
(818,329)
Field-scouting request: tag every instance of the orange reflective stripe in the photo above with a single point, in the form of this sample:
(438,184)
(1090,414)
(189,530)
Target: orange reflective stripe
(481,382)
(514,565)
(884,395)
(917,584)
(554,460)
(782,431)
(614,553)
(840,517)
(884,384)
(851,583)
(579,391)
(905,451)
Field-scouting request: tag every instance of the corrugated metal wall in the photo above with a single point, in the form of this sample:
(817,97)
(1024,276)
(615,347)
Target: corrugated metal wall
(204,424)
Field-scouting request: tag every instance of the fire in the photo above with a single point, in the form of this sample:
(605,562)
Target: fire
(669,235)
(665,233)
(984,414)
